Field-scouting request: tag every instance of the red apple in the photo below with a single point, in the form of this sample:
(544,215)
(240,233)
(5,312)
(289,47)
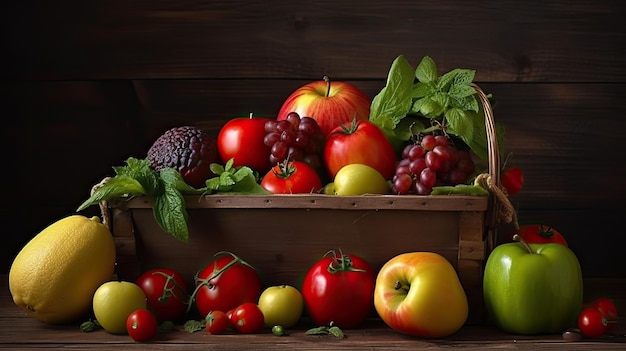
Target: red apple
(329,103)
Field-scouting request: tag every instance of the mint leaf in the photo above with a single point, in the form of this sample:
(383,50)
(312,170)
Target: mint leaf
(426,71)
(170,213)
(118,186)
(173,178)
(421,89)
(140,171)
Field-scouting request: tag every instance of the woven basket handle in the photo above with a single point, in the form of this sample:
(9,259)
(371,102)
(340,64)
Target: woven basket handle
(500,209)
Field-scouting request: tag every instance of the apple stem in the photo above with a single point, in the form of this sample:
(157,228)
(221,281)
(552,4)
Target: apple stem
(327,80)
(517,237)
(398,285)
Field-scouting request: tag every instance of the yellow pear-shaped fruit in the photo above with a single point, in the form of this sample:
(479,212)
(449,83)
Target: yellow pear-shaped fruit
(54,276)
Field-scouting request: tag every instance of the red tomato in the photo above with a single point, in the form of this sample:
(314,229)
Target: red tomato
(541,234)
(293,177)
(592,323)
(166,293)
(339,289)
(512,179)
(359,142)
(225,283)
(608,309)
(242,139)
(141,325)
(248,318)
(217,322)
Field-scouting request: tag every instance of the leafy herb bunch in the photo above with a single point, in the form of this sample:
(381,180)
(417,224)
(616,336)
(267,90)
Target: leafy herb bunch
(419,101)
(167,189)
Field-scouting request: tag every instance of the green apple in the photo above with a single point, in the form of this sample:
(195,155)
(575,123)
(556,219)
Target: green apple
(357,179)
(532,288)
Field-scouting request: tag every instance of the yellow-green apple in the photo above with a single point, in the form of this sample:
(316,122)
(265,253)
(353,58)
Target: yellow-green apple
(419,294)
(329,103)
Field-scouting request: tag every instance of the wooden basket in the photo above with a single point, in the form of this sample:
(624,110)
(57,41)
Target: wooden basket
(283,235)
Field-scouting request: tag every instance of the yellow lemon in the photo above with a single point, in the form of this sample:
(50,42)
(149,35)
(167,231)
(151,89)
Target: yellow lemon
(54,276)
(114,301)
(358,179)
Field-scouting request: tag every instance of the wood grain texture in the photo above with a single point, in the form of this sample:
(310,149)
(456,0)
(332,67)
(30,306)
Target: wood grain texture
(569,41)
(86,85)
(20,332)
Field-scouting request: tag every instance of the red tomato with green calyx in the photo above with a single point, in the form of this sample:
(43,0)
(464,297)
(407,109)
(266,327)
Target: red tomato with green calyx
(541,234)
(166,293)
(359,142)
(141,325)
(241,139)
(292,177)
(225,283)
(339,288)
(512,179)
(248,318)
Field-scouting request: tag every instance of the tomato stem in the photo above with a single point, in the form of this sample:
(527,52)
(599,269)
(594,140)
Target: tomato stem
(168,291)
(341,263)
(216,272)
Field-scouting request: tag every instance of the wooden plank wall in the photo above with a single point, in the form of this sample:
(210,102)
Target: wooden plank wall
(86,84)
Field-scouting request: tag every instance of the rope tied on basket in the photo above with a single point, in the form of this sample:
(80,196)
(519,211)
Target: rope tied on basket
(506,211)
(103,204)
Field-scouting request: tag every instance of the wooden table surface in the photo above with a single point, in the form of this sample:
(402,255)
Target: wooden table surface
(19,332)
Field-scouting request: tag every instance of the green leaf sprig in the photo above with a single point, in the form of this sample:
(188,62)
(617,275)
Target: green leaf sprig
(421,101)
(167,188)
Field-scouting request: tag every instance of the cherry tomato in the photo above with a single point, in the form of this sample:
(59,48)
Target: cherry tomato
(217,322)
(225,283)
(293,177)
(248,318)
(166,293)
(359,142)
(242,139)
(339,288)
(541,234)
(512,179)
(592,323)
(141,325)
(608,309)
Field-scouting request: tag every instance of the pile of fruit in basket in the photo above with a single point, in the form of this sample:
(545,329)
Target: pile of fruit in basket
(422,134)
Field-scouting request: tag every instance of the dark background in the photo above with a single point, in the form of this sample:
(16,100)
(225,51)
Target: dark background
(86,84)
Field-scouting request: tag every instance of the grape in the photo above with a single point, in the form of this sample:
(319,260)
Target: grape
(417,166)
(428,142)
(415,152)
(279,150)
(428,177)
(402,183)
(296,138)
(294,120)
(432,161)
(441,140)
(288,136)
(271,138)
